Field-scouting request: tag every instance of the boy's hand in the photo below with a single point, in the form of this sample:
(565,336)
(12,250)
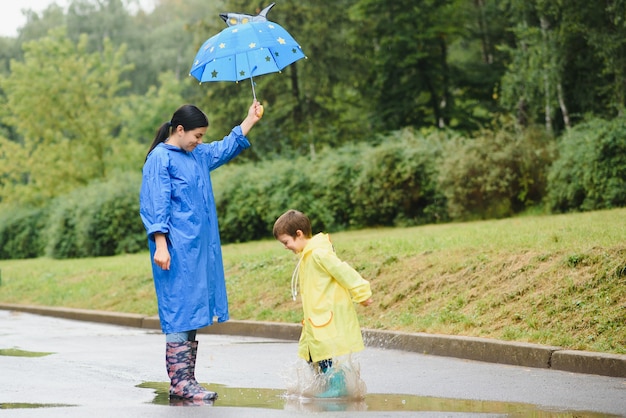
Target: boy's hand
(367,302)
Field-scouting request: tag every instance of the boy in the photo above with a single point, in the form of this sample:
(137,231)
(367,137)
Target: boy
(328,288)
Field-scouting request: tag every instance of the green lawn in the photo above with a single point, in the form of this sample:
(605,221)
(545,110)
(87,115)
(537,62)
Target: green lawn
(557,280)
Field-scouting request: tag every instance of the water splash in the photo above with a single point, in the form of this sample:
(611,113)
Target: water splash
(305,381)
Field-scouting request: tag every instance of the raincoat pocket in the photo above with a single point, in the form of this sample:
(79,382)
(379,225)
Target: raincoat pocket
(323,326)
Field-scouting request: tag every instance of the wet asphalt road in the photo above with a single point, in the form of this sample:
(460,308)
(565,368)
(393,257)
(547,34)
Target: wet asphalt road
(100,370)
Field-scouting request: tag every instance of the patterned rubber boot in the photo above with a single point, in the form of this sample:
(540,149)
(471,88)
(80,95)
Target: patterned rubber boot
(192,363)
(336,384)
(179,369)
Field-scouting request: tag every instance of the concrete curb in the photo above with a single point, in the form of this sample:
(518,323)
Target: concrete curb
(470,348)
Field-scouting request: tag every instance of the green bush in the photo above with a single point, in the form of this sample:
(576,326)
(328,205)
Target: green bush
(496,174)
(98,220)
(334,174)
(251,196)
(350,187)
(60,230)
(590,173)
(20,232)
(116,224)
(241,201)
(397,182)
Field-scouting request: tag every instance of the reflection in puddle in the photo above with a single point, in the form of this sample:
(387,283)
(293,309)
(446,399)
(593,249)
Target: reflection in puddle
(16,352)
(22,405)
(279,399)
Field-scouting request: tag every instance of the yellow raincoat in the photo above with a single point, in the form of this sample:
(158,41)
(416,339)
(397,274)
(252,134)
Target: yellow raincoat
(329,288)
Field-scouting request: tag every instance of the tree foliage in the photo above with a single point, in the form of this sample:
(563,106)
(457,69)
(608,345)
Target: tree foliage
(567,61)
(407,71)
(393,97)
(375,66)
(63,103)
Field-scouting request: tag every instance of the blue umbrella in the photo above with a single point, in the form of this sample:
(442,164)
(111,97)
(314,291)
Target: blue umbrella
(245,50)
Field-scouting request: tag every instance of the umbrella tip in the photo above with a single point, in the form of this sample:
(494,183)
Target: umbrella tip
(233,19)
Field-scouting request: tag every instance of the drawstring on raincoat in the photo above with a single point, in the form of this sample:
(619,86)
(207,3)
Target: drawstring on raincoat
(294,280)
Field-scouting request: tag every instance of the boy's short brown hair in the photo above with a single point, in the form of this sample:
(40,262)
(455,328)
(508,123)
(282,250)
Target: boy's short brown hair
(290,222)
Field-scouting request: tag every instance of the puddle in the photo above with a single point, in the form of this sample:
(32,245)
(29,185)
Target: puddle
(279,399)
(16,352)
(31,405)
(304,385)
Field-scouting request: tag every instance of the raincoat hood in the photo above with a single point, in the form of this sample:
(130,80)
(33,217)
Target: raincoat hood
(318,241)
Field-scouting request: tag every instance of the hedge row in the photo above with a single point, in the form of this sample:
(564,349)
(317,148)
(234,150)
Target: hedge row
(98,220)
(590,173)
(409,179)
(352,187)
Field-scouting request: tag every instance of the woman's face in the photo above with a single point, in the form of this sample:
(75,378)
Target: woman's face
(187,140)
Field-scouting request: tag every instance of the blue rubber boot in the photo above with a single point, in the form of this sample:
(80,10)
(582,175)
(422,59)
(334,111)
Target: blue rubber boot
(336,385)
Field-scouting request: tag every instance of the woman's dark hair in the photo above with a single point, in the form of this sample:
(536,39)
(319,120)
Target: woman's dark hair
(189,116)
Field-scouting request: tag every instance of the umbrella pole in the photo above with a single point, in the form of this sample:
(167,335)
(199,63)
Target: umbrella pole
(253,92)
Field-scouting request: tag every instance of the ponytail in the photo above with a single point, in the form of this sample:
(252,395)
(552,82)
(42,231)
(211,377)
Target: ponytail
(161,135)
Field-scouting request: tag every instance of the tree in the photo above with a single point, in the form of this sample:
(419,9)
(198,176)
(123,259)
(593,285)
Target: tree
(477,64)
(63,103)
(608,39)
(407,75)
(38,24)
(164,41)
(569,60)
(530,81)
(142,115)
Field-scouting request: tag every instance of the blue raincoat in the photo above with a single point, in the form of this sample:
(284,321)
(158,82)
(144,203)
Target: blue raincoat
(176,199)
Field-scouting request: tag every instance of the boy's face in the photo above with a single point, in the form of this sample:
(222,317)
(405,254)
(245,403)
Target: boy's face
(295,244)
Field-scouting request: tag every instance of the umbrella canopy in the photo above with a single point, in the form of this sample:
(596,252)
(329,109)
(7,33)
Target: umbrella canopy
(245,50)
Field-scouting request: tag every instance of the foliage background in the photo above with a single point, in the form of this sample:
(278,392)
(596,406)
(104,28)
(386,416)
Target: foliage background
(405,113)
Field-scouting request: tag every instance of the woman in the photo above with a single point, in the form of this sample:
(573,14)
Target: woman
(177,208)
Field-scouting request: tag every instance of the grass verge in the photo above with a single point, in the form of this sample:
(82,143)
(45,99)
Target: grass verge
(556,280)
